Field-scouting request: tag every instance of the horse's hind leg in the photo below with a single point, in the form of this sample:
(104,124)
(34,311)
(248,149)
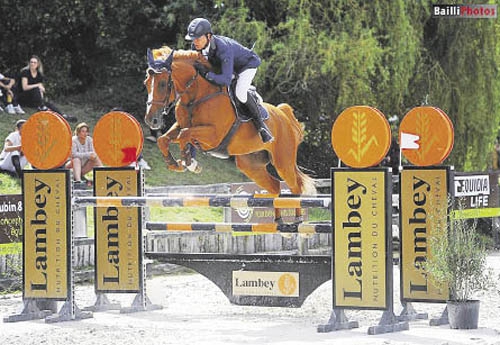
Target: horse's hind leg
(294,178)
(254,165)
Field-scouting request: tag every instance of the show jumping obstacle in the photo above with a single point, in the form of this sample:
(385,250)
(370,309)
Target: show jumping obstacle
(361,225)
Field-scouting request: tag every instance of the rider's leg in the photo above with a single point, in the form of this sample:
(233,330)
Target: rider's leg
(243,84)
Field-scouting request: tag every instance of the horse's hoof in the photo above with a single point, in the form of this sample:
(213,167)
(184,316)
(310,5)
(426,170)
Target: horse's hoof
(194,167)
(279,221)
(176,167)
(298,220)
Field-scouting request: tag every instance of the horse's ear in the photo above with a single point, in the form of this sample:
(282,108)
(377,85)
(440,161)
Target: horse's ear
(157,65)
(151,59)
(168,61)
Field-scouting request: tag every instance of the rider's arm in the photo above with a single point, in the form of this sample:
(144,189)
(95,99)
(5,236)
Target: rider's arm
(226,57)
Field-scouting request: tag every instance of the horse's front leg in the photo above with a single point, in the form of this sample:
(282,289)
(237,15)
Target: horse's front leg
(163,143)
(200,134)
(204,135)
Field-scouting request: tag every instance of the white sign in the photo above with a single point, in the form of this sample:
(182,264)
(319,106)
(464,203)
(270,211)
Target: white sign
(472,185)
(255,283)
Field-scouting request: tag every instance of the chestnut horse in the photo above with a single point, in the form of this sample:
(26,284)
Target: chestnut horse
(205,116)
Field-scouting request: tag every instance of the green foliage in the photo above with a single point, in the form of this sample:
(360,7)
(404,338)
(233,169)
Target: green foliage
(457,257)
(320,56)
(460,76)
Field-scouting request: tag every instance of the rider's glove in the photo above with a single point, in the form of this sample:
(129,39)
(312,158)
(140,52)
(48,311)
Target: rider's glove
(202,69)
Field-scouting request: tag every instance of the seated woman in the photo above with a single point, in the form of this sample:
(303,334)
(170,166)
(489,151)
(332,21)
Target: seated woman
(12,159)
(32,89)
(83,156)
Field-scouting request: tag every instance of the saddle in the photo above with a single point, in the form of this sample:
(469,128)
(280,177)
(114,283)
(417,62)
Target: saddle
(242,116)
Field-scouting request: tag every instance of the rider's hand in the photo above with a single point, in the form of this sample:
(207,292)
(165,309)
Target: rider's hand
(202,69)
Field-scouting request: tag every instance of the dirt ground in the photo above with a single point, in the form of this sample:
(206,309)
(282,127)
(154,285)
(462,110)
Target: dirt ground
(195,311)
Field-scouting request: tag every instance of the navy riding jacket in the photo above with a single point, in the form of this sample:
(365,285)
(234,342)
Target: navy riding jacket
(231,56)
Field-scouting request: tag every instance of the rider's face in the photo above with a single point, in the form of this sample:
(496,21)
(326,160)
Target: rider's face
(200,42)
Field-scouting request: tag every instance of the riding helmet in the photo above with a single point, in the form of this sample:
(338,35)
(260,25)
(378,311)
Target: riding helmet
(197,28)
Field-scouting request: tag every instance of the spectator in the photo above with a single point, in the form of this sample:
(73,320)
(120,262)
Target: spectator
(32,90)
(141,162)
(8,91)
(12,159)
(83,156)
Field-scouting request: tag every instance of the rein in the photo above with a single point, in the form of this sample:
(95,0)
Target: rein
(194,103)
(191,104)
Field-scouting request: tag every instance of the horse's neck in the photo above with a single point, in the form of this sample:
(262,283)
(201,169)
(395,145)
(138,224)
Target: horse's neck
(188,84)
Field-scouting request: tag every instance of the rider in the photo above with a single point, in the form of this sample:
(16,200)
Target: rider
(233,58)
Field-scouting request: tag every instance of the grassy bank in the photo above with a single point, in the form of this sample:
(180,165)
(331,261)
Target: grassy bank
(214,170)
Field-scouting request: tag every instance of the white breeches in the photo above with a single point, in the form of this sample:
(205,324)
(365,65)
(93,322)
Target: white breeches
(245,79)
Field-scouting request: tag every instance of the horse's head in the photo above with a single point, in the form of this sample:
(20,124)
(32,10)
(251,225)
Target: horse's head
(160,87)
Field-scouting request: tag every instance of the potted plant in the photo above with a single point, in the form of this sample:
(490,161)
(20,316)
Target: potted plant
(457,259)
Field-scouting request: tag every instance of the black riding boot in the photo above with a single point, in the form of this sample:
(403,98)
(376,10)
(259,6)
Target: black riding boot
(262,128)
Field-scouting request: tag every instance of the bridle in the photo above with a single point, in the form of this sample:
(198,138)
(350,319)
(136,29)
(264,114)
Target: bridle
(157,122)
(167,107)
(170,84)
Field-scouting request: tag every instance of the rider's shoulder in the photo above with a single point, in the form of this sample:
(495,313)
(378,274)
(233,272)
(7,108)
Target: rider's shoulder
(223,42)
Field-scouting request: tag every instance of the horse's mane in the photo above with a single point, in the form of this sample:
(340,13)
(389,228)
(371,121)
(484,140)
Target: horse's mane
(188,56)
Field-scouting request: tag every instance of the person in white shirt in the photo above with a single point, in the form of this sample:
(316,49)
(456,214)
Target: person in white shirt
(83,156)
(12,159)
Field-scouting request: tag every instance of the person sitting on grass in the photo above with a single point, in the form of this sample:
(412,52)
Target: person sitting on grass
(12,159)
(32,89)
(83,155)
(8,91)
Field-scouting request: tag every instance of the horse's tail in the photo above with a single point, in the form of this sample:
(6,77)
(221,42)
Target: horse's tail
(306,183)
(288,110)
